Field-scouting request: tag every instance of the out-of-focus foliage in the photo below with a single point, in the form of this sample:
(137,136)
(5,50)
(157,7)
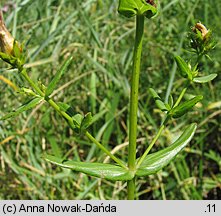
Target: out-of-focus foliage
(98,82)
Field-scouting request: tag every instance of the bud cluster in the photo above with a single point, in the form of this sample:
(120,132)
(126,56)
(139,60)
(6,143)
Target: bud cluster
(10,50)
(201,40)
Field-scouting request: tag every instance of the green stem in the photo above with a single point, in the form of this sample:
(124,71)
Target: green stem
(69,118)
(187,85)
(182,94)
(134,102)
(180,97)
(161,128)
(131,189)
(199,57)
(91,138)
(31,83)
(151,145)
(201,170)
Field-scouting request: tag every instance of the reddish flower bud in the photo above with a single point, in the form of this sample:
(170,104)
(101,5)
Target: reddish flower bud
(201,28)
(151,2)
(10,50)
(201,39)
(6,39)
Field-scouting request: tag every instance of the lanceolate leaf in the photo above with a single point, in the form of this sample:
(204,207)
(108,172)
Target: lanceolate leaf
(183,68)
(101,170)
(75,123)
(66,108)
(16,50)
(160,104)
(78,119)
(57,77)
(8,58)
(170,102)
(204,79)
(85,123)
(183,108)
(30,104)
(156,161)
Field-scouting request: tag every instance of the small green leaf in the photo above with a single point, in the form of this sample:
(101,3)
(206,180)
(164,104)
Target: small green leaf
(28,92)
(17,49)
(57,77)
(184,68)
(78,118)
(183,108)
(7,58)
(75,123)
(154,94)
(170,102)
(30,104)
(160,104)
(86,121)
(167,105)
(204,79)
(100,170)
(13,61)
(66,108)
(156,161)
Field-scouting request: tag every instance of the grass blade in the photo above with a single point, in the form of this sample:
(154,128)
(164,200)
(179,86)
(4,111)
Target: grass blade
(57,77)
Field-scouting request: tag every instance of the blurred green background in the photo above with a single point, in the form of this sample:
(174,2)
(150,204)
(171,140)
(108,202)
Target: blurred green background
(101,42)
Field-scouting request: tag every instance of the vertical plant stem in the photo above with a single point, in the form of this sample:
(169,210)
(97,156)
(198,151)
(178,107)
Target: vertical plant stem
(131,189)
(134,102)
(199,58)
(201,170)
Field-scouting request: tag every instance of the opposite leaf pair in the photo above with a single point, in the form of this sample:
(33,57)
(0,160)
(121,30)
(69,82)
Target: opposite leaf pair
(175,111)
(150,165)
(191,74)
